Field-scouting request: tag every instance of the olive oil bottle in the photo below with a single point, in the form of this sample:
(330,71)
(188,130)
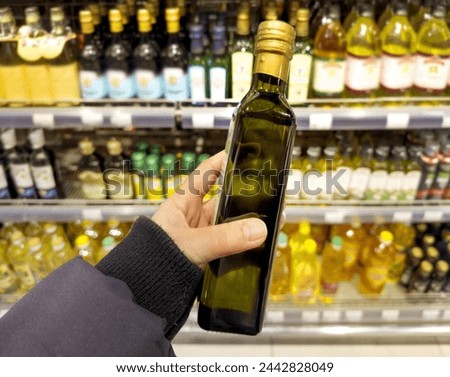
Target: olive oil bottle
(423,15)
(90,172)
(261,138)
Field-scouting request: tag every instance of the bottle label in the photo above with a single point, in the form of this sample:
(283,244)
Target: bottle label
(92,185)
(377,184)
(363,74)
(358,183)
(93,85)
(4,190)
(294,184)
(218,83)
(154,189)
(175,84)
(241,73)
(45,181)
(431,72)
(14,83)
(118,184)
(23,181)
(197,82)
(148,85)
(394,184)
(410,184)
(397,72)
(24,273)
(376,277)
(299,76)
(426,180)
(48,47)
(64,81)
(329,288)
(344,181)
(52,46)
(6,277)
(120,84)
(329,76)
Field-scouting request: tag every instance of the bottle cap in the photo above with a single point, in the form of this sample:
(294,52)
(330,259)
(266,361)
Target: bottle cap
(108,242)
(202,157)
(382,153)
(32,15)
(275,36)
(152,165)
(314,152)
(271,13)
(303,15)
(50,228)
(57,243)
(442,266)
(87,224)
(34,244)
(386,237)
(138,160)
(173,20)
(86,147)
(330,151)
(188,162)
(86,21)
(9,139)
(417,252)
(304,228)
(96,13)
(432,253)
(115,21)
(336,241)
(310,246)
(114,147)
(297,151)
(334,12)
(426,267)
(57,14)
(142,146)
(122,6)
(219,40)
(144,21)
(439,11)
(155,149)
(6,15)
(243,23)
(113,223)
(36,138)
(283,240)
(131,7)
(400,8)
(17,237)
(82,241)
(366,9)
(429,239)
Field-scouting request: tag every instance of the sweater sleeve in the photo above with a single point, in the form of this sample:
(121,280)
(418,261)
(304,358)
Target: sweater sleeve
(161,279)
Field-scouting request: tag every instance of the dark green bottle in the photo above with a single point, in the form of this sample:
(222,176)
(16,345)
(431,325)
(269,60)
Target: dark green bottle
(168,174)
(259,150)
(219,67)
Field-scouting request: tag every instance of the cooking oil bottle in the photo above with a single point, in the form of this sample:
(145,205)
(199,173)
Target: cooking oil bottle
(361,173)
(379,176)
(353,237)
(39,257)
(302,234)
(304,282)
(279,288)
(61,251)
(33,229)
(312,175)
(86,249)
(116,230)
(8,280)
(108,243)
(93,230)
(423,15)
(17,255)
(374,275)
(333,259)
(52,230)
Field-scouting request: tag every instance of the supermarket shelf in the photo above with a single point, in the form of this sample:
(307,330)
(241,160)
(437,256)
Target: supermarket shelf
(66,210)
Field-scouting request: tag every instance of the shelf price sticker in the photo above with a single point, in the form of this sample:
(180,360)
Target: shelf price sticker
(397,121)
(321,121)
(433,216)
(275,316)
(334,217)
(310,316)
(44,120)
(431,314)
(446,121)
(331,315)
(390,315)
(92,214)
(402,217)
(202,121)
(91,118)
(446,315)
(353,315)
(121,119)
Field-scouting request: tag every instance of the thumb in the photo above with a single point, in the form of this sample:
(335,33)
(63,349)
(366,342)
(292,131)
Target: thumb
(230,238)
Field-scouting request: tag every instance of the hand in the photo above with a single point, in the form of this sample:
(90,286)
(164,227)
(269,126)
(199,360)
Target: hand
(188,220)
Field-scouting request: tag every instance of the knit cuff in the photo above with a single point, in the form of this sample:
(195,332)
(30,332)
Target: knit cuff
(160,277)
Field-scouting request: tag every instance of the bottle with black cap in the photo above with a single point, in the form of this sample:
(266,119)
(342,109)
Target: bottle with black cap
(439,277)
(197,65)
(378,179)
(413,258)
(442,175)
(429,160)
(219,65)
(421,278)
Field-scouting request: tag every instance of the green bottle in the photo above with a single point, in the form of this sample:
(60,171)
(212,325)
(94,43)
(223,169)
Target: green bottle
(197,65)
(138,172)
(219,66)
(396,174)
(259,149)
(153,182)
(168,174)
(142,146)
(187,166)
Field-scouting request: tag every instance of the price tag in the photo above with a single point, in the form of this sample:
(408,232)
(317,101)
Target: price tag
(353,315)
(3,312)
(121,119)
(310,316)
(446,122)
(320,121)
(331,315)
(433,216)
(390,315)
(446,315)
(203,121)
(397,121)
(334,217)
(44,120)
(402,217)
(276,316)
(92,214)
(430,314)
(91,118)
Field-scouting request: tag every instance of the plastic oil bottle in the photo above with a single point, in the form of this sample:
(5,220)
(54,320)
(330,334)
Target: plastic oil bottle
(116,230)
(39,257)
(86,249)
(279,288)
(61,251)
(8,280)
(333,259)
(17,255)
(108,243)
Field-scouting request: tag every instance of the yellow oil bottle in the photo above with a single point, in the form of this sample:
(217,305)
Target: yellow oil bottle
(17,256)
(279,288)
(85,248)
(333,259)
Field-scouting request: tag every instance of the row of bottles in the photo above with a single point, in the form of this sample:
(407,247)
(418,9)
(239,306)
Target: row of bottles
(312,261)
(29,252)
(371,170)
(147,174)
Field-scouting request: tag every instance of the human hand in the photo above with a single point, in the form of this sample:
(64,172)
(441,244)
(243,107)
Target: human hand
(189,221)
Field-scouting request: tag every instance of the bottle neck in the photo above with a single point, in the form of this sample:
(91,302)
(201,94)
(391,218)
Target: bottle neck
(173,38)
(116,37)
(302,30)
(274,66)
(144,37)
(265,83)
(7,29)
(58,28)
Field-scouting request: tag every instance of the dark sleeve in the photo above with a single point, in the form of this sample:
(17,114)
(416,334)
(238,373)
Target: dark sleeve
(130,305)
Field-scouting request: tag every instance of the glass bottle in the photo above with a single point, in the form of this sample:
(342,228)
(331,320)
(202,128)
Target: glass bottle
(138,169)
(197,65)
(219,65)
(423,15)
(61,251)
(301,64)
(117,175)
(261,138)
(312,175)
(12,67)
(361,173)
(396,175)
(420,280)
(168,174)
(412,175)
(429,160)
(153,181)
(108,244)
(442,176)
(379,176)
(432,254)
(118,60)
(85,249)
(39,257)
(116,230)
(414,256)
(90,172)
(17,256)
(438,277)
(329,57)
(174,60)
(96,16)
(146,58)
(92,78)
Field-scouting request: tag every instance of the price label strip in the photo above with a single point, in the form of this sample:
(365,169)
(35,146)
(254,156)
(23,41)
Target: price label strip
(91,118)
(44,120)
(275,316)
(320,121)
(402,217)
(390,315)
(121,119)
(202,121)
(397,121)
(353,315)
(334,217)
(432,216)
(310,316)
(331,315)
(92,214)
(431,314)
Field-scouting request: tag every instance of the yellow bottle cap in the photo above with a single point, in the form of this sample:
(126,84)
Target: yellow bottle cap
(426,267)
(34,244)
(304,228)
(87,224)
(275,36)
(50,228)
(173,20)
(113,223)
(442,266)
(310,246)
(86,147)
(57,14)
(96,13)
(115,21)
(114,147)
(82,241)
(432,252)
(144,21)
(417,252)
(86,22)
(386,237)
(57,241)
(17,237)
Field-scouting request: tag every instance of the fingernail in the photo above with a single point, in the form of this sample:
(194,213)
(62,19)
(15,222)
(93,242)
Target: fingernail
(254,230)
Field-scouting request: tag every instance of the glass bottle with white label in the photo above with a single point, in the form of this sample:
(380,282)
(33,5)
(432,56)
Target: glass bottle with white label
(398,43)
(146,58)
(330,57)
(433,55)
(442,176)
(344,167)
(168,174)
(312,174)
(363,54)
(175,60)
(90,172)
(361,173)
(376,188)
(117,175)
(301,64)
(93,82)
(241,57)
(219,66)
(198,78)
(429,160)
(393,190)
(18,166)
(118,61)
(153,182)
(61,52)
(41,167)
(412,175)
